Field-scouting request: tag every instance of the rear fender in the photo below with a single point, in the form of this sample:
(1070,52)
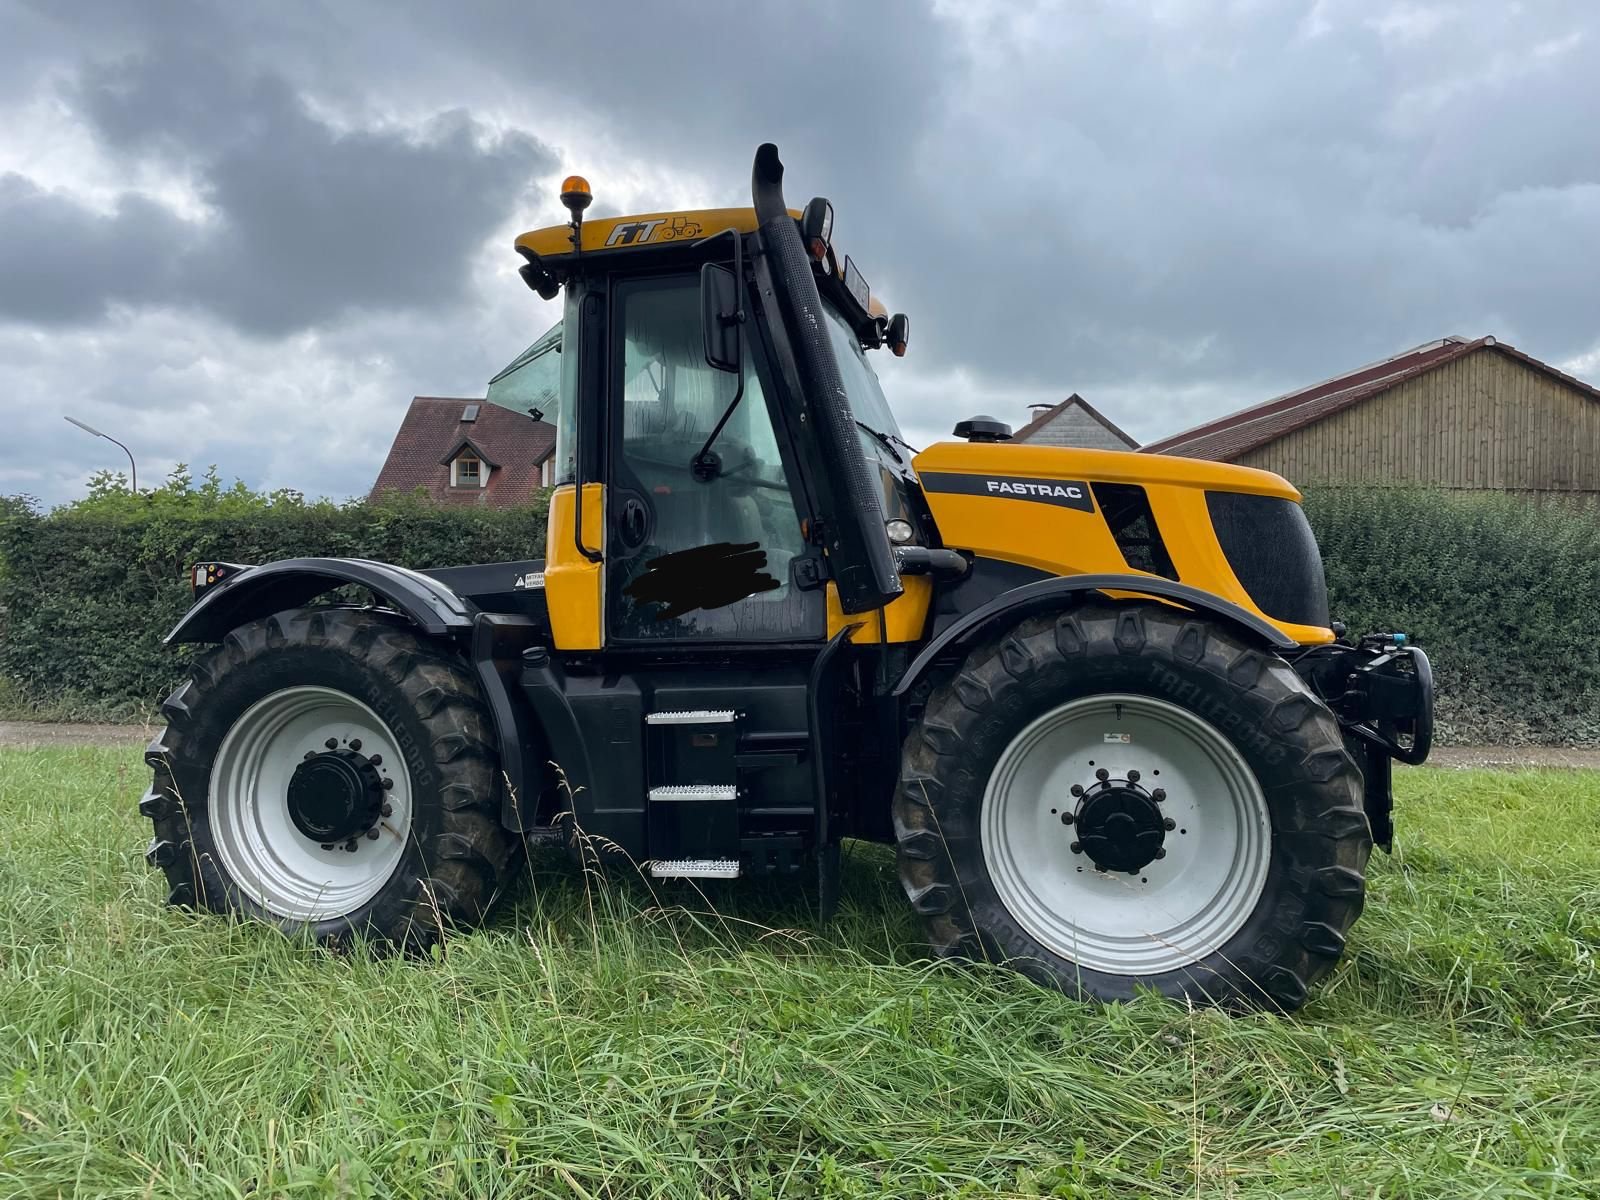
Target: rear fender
(257,592)
(1009,607)
(495,643)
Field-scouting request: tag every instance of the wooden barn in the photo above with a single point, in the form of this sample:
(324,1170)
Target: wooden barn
(1456,413)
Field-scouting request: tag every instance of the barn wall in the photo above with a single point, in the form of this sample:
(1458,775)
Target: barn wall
(1483,421)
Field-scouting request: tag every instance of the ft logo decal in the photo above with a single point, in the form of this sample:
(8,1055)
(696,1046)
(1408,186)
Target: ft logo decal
(635,233)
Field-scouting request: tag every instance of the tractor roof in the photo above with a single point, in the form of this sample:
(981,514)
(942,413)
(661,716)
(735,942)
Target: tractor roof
(650,231)
(640,232)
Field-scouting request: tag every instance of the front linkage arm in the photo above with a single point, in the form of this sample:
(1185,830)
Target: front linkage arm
(1381,689)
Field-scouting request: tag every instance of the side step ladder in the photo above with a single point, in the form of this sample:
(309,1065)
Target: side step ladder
(694,793)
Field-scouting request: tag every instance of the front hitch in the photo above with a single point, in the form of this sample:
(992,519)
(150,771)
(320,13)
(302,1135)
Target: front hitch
(1381,690)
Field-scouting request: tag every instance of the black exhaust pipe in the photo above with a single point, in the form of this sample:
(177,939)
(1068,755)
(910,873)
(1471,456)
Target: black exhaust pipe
(850,497)
(766,184)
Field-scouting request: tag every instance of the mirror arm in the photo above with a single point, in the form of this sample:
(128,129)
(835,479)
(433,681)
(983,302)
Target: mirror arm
(704,465)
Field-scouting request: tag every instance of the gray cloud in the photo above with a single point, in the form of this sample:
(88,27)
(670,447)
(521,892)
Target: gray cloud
(1174,208)
(61,262)
(305,221)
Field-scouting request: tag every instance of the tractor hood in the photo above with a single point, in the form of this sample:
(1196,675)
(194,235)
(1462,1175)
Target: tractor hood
(1005,469)
(1233,531)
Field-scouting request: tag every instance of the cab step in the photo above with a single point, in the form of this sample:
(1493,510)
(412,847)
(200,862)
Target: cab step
(694,793)
(695,823)
(693,716)
(696,868)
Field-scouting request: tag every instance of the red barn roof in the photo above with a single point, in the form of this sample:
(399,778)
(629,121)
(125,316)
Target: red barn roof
(437,429)
(1226,438)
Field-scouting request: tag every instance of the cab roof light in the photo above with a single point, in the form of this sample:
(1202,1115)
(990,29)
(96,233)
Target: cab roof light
(575,194)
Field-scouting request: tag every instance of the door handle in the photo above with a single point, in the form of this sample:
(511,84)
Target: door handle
(633,523)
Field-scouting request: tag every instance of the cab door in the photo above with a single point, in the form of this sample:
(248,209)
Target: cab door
(700,547)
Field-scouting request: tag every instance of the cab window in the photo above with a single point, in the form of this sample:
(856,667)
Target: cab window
(698,552)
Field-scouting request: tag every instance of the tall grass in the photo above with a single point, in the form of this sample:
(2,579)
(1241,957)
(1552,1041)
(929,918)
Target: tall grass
(601,1038)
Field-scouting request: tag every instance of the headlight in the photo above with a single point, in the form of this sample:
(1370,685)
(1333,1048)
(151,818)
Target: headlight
(900,531)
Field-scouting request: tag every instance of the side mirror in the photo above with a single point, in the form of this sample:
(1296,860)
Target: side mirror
(720,316)
(899,334)
(537,276)
(816,228)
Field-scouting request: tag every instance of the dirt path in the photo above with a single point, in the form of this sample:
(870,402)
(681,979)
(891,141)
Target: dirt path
(44,733)
(39,733)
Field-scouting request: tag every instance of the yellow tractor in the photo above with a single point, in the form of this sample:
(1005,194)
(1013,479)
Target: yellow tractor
(1095,699)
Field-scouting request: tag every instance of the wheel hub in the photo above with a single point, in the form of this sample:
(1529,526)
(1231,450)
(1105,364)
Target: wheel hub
(335,795)
(1119,824)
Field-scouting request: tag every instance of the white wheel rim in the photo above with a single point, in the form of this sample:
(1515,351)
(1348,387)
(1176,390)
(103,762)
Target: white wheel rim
(260,848)
(1176,910)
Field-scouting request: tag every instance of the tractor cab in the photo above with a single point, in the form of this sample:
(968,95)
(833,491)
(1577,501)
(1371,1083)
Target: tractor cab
(710,511)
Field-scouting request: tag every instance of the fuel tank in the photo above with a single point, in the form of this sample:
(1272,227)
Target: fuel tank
(1068,511)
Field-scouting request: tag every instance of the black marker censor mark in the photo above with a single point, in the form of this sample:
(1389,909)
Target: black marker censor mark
(706,577)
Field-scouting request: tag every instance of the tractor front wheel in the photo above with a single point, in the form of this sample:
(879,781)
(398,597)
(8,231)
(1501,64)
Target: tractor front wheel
(1117,798)
(329,770)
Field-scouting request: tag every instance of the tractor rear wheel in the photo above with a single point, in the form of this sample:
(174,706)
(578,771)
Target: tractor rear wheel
(1119,798)
(329,770)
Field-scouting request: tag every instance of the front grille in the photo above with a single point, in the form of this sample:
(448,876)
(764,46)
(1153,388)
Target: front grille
(1126,509)
(1273,553)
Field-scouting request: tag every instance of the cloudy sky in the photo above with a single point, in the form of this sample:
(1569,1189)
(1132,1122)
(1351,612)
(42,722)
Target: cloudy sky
(247,234)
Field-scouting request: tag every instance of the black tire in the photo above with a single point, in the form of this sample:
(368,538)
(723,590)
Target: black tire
(1319,840)
(456,856)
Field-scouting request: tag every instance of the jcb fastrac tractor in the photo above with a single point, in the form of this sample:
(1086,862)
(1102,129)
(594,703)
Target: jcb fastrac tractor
(1095,699)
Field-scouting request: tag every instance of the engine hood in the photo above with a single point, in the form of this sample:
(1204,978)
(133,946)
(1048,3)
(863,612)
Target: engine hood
(1064,511)
(1018,470)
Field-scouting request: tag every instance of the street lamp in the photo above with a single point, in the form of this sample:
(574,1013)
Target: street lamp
(132,466)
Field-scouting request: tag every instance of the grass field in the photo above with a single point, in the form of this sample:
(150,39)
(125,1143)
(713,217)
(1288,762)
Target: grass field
(607,1041)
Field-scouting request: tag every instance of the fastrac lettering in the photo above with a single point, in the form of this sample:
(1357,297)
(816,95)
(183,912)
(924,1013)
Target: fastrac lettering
(1061,491)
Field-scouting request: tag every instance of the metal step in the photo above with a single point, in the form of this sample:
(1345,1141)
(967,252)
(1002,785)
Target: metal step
(696,868)
(690,793)
(692,716)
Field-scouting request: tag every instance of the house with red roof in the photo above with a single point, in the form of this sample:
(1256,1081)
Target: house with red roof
(1456,413)
(464,451)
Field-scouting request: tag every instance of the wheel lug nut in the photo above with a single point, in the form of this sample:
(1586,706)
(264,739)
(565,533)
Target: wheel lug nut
(1159,795)
(1102,774)
(388,784)
(372,834)
(1076,847)
(332,743)
(351,845)
(355,743)
(1169,824)
(327,845)
(1077,789)
(1133,777)
(388,809)
(376,760)
(1160,853)
(1066,818)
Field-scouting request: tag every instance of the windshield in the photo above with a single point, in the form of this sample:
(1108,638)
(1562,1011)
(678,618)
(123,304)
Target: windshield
(866,395)
(541,382)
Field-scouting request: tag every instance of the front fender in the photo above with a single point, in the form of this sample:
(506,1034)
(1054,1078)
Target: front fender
(257,592)
(1010,607)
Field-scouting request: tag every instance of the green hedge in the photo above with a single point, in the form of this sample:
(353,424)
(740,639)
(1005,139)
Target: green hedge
(1503,592)
(88,591)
